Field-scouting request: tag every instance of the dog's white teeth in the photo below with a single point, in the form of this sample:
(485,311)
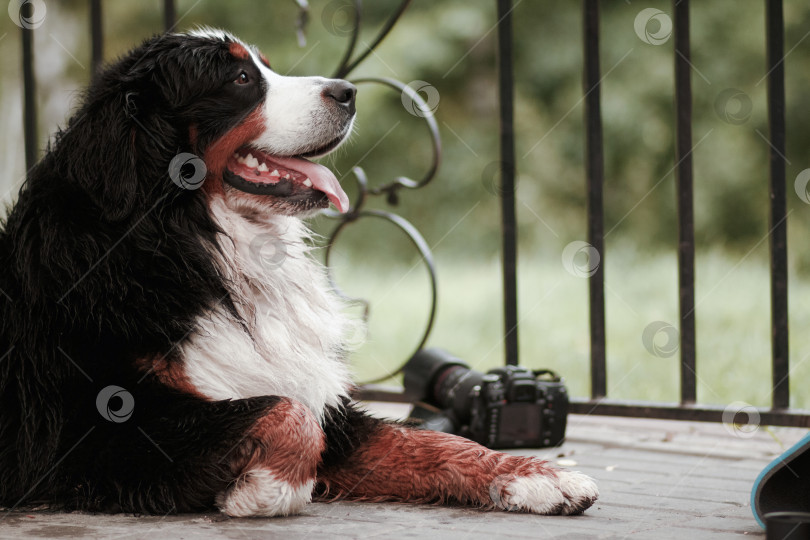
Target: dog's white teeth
(251,161)
(263,167)
(274,173)
(240,159)
(308,182)
(236,155)
(285,177)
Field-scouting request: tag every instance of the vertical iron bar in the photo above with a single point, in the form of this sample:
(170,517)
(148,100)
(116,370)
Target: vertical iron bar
(507,188)
(96,35)
(686,225)
(594,170)
(775,37)
(169,14)
(29,98)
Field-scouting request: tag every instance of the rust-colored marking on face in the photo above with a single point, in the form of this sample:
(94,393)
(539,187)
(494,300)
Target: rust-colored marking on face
(217,154)
(238,51)
(264,60)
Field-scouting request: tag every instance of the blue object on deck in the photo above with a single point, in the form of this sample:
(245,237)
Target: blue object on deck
(784,485)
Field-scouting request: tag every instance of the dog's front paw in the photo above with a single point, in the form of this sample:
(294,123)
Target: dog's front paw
(551,492)
(261,493)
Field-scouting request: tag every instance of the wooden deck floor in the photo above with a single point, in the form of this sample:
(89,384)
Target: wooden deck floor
(658,480)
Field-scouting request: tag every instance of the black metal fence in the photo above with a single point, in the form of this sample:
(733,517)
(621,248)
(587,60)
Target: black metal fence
(599,402)
(779,414)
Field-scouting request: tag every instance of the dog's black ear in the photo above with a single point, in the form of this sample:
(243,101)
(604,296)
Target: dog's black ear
(117,149)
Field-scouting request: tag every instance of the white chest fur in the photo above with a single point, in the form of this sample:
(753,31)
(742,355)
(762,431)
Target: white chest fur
(289,341)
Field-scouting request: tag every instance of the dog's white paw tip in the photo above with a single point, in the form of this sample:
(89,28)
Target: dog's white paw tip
(561,492)
(260,493)
(579,489)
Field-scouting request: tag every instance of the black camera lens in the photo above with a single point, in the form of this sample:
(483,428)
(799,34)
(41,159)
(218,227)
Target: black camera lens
(454,390)
(440,379)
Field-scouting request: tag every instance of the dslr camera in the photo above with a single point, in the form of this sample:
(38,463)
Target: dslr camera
(507,407)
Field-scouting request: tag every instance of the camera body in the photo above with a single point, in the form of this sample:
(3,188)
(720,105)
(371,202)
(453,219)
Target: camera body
(508,407)
(512,408)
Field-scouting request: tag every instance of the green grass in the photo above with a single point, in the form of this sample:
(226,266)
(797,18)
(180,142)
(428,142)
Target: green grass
(733,321)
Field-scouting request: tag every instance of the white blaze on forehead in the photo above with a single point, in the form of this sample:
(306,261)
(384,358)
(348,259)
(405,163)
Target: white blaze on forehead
(213,33)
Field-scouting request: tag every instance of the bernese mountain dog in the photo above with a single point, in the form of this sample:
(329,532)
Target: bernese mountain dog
(153,359)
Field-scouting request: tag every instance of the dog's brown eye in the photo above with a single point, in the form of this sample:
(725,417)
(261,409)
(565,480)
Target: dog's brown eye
(242,78)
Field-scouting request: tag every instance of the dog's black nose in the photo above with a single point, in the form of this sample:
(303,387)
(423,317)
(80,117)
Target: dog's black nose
(343,92)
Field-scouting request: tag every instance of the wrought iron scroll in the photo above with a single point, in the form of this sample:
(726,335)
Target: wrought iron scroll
(347,65)
(390,189)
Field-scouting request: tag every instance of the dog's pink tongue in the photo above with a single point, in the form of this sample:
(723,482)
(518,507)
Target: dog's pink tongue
(322,179)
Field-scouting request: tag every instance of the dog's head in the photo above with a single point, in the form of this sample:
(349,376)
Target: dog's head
(262,127)
(181,98)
